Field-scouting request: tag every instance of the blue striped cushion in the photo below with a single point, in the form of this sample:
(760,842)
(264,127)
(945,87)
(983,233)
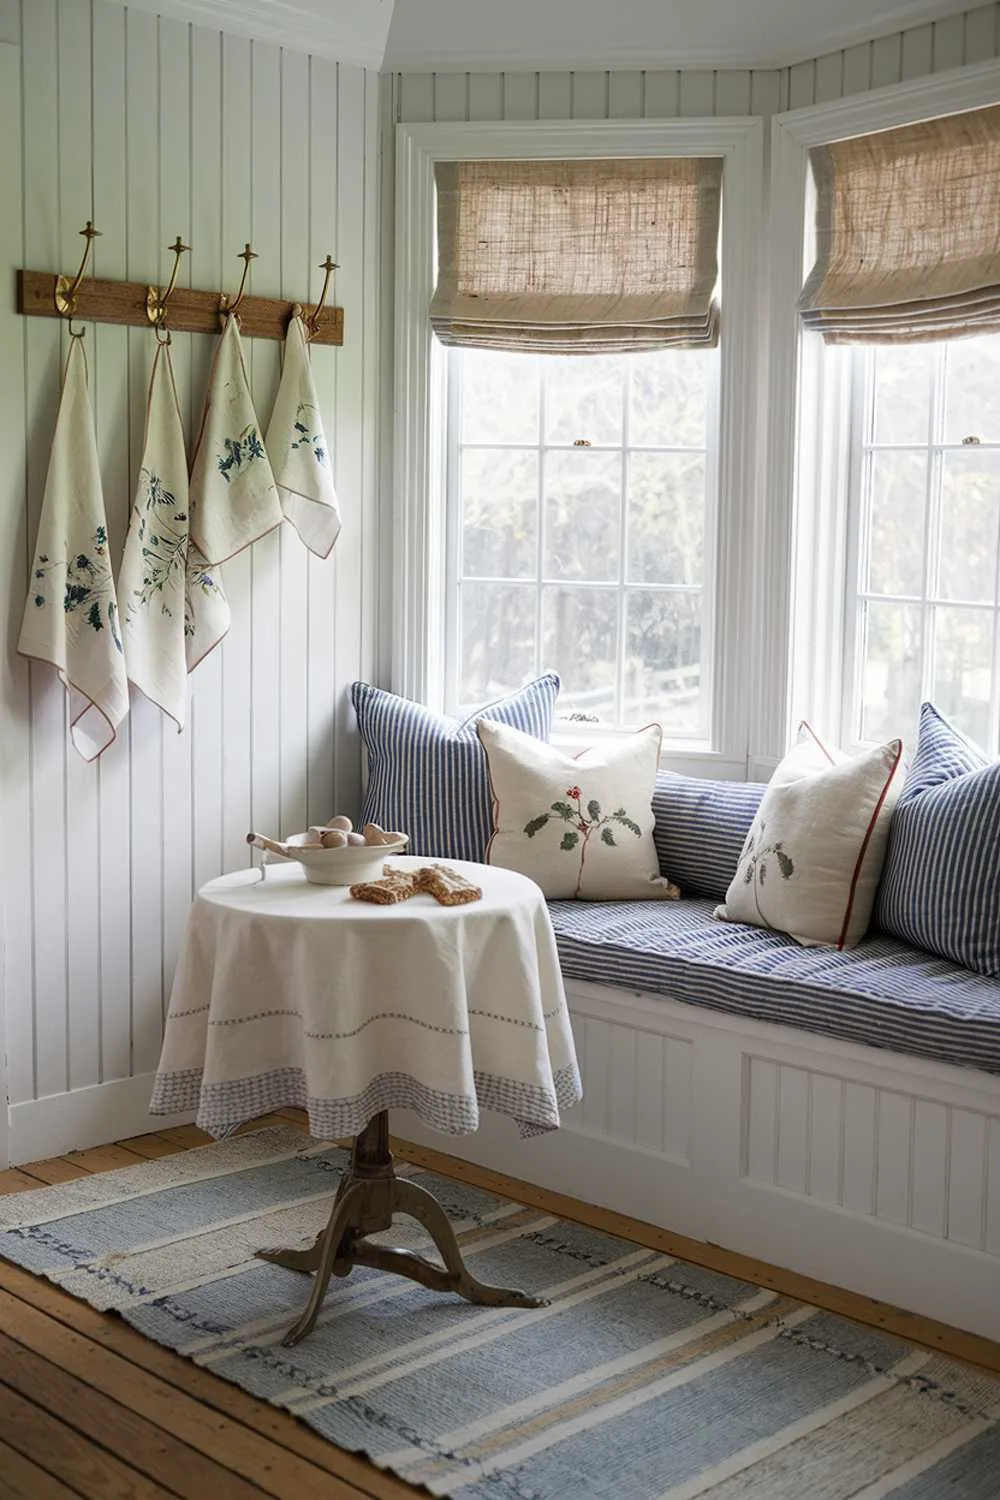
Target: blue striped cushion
(427,772)
(700,830)
(940,887)
(883,993)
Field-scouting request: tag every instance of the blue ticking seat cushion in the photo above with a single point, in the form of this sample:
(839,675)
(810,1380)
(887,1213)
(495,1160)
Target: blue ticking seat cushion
(427,773)
(701,827)
(940,886)
(883,993)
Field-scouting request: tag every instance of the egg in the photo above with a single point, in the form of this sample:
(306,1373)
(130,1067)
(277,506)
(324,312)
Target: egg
(355,839)
(344,824)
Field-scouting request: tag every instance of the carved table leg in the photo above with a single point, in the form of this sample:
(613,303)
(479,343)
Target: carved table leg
(368,1196)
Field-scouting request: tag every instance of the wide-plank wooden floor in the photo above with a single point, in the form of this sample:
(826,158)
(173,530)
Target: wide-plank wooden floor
(88,1407)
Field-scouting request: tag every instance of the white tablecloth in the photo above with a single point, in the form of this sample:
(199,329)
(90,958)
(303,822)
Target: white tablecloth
(290,993)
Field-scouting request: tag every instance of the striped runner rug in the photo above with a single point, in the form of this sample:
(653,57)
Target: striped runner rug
(644,1379)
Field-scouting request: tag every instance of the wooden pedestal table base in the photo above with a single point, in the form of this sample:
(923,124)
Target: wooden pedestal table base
(369,1196)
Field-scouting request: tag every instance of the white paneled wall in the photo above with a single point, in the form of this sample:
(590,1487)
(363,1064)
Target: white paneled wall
(633,94)
(154,128)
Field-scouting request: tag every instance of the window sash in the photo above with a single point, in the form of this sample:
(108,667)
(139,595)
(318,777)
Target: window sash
(707,589)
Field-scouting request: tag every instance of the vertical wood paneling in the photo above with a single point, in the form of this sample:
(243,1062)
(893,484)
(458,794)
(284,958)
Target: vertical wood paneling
(590,95)
(887,60)
(43,368)
(349,556)
(949,43)
(416,96)
(82,805)
(207,698)
(622,1116)
(894,1128)
(625,93)
(520,97)
(111,397)
(857,69)
(826,1139)
(174,117)
(918,51)
(323,235)
(830,77)
(650,1092)
(486,96)
(662,94)
(554,95)
(154,128)
(793,1129)
(596,1050)
(677,1097)
(993,1187)
(145,239)
(732,91)
(967,1178)
(296,274)
(859,1148)
(802,85)
(762,1120)
(16,880)
(451,96)
(929,1168)
(236,226)
(981,33)
(697,93)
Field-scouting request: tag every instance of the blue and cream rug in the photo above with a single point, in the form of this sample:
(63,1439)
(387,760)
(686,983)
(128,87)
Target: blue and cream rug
(645,1379)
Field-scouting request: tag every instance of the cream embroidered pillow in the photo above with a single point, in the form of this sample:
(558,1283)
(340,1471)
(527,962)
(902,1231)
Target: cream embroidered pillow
(576,826)
(811,862)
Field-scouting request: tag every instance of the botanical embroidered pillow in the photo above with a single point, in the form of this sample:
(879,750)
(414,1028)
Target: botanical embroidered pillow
(578,826)
(812,859)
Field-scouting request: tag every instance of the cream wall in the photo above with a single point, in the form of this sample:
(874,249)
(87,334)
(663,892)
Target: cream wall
(152,128)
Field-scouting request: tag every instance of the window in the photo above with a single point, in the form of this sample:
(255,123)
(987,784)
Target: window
(923,593)
(581,532)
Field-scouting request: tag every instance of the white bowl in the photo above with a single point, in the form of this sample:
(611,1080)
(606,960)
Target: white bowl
(346,866)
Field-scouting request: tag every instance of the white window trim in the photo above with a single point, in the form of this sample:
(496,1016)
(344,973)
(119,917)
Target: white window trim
(418,536)
(803,526)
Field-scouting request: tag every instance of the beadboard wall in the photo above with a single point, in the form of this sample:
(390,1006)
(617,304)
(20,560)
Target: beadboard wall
(632,94)
(151,128)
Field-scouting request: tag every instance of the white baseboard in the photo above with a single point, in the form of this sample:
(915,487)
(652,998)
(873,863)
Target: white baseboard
(111,1111)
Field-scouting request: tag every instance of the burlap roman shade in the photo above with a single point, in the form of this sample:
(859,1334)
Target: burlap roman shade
(578,257)
(908,233)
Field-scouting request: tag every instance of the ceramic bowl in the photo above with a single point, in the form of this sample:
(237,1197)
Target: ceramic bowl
(347,866)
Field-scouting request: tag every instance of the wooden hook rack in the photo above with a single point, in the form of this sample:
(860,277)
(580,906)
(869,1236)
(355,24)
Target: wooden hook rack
(179,309)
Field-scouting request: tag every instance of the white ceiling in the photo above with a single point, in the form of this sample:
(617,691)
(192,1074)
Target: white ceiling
(449,35)
(487,34)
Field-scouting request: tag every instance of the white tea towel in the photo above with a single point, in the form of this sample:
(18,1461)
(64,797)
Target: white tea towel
(206,608)
(71,613)
(152,581)
(234,499)
(297,448)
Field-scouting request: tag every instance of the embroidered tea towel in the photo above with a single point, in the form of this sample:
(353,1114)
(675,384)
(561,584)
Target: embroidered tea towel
(298,451)
(152,581)
(71,614)
(206,608)
(234,499)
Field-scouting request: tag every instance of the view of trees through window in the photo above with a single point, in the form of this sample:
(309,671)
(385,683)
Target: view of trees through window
(925,614)
(581,496)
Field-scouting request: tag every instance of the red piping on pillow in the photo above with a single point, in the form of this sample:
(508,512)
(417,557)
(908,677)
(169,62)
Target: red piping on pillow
(864,847)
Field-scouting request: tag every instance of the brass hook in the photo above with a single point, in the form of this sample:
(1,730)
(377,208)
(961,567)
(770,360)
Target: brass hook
(66,288)
(312,322)
(226,307)
(156,302)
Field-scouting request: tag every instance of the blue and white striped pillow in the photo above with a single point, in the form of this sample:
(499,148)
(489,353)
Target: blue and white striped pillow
(940,887)
(427,773)
(701,827)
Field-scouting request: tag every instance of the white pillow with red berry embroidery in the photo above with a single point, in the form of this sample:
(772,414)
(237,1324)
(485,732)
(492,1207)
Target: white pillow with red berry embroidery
(578,826)
(811,862)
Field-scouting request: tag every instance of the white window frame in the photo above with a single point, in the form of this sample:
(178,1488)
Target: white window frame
(418,531)
(809,461)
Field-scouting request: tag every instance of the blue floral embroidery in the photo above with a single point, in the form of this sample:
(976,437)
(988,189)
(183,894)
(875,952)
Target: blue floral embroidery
(307,438)
(87,587)
(199,576)
(240,453)
(163,537)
